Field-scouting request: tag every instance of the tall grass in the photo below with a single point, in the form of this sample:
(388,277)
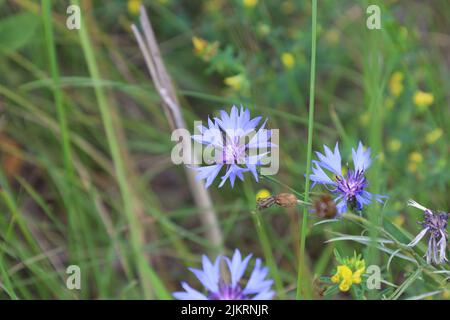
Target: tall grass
(304,224)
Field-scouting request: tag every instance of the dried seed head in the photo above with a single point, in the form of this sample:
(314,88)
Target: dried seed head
(264,203)
(286,200)
(325,207)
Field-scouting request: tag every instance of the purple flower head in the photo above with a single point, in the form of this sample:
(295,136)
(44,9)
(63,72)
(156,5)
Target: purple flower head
(434,224)
(350,189)
(256,288)
(235,144)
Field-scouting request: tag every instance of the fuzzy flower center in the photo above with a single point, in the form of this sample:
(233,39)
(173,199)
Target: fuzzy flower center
(352,185)
(234,152)
(227,292)
(436,223)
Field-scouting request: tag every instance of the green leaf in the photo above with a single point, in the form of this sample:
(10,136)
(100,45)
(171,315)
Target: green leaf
(17,30)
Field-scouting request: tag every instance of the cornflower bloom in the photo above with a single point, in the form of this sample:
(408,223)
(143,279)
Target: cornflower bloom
(349,188)
(434,224)
(236,144)
(256,288)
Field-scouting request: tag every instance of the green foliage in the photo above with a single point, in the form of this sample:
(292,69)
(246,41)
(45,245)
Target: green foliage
(86,176)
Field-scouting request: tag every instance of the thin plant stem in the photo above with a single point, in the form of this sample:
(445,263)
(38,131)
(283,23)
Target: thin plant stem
(301,256)
(264,241)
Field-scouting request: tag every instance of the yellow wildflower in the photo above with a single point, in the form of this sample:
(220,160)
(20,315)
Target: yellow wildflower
(396,83)
(250,3)
(415,157)
(434,135)
(346,277)
(345,285)
(356,277)
(204,49)
(237,82)
(263,193)
(423,99)
(288,60)
(394,145)
(199,44)
(446,294)
(399,220)
(133,6)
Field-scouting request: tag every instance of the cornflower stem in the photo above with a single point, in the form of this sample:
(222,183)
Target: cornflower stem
(301,257)
(264,241)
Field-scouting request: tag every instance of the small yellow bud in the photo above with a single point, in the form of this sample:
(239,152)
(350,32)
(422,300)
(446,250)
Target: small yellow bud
(396,83)
(415,157)
(345,285)
(133,6)
(335,278)
(235,82)
(250,3)
(423,99)
(199,44)
(356,277)
(344,271)
(394,145)
(399,220)
(288,60)
(263,193)
(434,135)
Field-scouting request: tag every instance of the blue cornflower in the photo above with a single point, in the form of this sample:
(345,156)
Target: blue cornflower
(235,143)
(350,189)
(434,224)
(256,288)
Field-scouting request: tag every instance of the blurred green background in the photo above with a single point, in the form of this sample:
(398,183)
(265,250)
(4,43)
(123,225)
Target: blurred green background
(86,174)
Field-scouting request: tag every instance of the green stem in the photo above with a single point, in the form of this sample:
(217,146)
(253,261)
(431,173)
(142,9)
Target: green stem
(50,44)
(264,241)
(73,216)
(301,256)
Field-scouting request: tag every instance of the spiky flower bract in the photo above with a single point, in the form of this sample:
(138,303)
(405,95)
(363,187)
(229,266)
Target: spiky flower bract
(235,144)
(434,225)
(350,188)
(217,288)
